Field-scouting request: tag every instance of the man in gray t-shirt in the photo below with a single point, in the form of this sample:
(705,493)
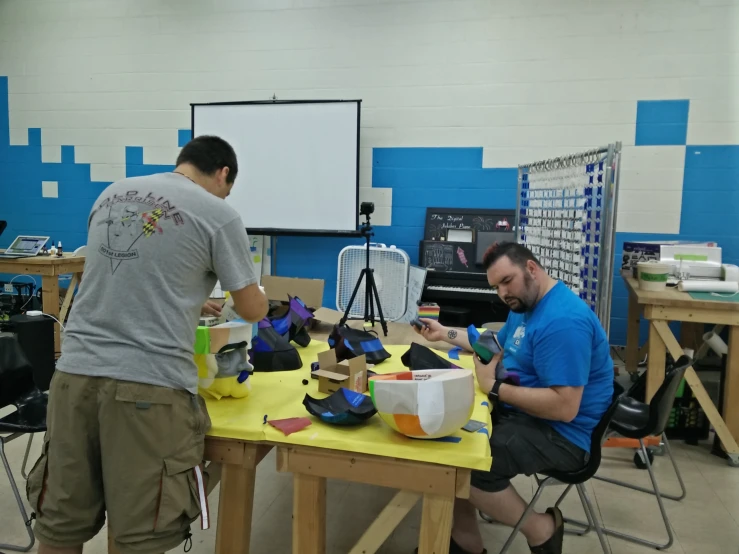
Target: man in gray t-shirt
(126,427)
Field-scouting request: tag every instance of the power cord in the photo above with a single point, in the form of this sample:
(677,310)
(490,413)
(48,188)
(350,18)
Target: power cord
(36,313)
(24,275)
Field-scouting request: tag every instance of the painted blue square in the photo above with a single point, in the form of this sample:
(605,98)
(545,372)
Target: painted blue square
(183,137)
(662,122)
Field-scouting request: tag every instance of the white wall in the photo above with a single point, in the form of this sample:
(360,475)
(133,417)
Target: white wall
(525,79)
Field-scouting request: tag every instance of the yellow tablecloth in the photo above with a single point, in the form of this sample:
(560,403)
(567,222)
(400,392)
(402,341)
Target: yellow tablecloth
(279,395)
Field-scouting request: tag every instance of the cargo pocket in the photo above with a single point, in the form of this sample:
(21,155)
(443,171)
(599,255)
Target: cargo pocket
(204,423)
(182,494)
(36,483)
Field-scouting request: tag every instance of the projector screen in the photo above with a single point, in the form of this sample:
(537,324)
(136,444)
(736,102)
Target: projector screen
(298,163)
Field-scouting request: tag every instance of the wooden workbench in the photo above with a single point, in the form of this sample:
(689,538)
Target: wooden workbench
(434,484)
(659,308)
(234,464)
(50,268)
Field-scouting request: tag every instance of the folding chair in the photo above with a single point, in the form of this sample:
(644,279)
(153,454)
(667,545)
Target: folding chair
(17,388)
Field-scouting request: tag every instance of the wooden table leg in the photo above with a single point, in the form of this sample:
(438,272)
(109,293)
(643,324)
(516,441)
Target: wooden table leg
(68,297)
(436,524)
(632,335)
(657,357)
(691,335)
(699,391)
(731,384)
(235,509)
(50,292)
(309,514)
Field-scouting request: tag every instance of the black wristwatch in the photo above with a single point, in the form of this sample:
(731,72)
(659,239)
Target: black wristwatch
(493,394)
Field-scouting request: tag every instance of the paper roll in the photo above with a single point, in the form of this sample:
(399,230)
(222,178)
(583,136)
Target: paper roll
(708,286)
(730,272)
(716,343)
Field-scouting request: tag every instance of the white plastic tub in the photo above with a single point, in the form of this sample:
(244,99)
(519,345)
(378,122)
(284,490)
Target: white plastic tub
(652,275)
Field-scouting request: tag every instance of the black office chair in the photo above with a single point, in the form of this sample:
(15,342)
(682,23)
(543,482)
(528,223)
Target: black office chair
(575,479)
(42,364)
(17,389)
(636,420)
(637,391)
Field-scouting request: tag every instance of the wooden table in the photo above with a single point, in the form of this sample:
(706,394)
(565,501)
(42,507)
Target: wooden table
(672,305)
(50,268)
(436,484)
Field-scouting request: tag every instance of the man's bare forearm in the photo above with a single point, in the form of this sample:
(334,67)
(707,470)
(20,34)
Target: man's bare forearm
(544,403)
(458,337)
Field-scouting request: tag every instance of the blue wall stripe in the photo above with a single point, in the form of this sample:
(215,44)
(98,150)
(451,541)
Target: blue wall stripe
(183,137)
(419,178)
(662,122)
(426,158)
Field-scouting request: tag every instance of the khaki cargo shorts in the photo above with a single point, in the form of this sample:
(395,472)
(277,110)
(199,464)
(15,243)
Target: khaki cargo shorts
(128,449)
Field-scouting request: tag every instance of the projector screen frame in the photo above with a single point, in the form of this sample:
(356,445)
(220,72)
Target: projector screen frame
(287,232)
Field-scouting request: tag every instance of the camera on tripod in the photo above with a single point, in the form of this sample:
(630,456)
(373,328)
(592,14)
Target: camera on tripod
(366,208)
(371,296)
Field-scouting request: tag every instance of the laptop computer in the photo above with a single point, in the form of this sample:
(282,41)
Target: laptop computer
(24,246)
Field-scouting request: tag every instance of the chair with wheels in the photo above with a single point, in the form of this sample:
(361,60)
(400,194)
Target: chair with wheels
(636,420)
(575,479)
(17,389)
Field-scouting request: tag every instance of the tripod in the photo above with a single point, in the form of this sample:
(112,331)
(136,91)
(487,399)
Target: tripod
(371,295)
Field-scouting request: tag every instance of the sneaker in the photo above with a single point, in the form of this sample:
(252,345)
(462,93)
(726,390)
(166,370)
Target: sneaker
(454,548)
(554,544)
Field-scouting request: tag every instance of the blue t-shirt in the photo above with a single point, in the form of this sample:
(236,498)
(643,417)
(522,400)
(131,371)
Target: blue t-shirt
(562,343)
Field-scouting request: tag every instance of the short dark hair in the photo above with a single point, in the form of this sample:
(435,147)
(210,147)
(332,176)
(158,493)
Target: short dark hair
(210,154)
(517,253)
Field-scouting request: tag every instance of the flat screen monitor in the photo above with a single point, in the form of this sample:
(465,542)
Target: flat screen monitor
(486,238)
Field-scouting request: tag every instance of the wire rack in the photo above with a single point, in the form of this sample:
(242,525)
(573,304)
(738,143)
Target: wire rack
(566,215)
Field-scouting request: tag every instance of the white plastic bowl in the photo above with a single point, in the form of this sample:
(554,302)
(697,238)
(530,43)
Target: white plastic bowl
(425,404)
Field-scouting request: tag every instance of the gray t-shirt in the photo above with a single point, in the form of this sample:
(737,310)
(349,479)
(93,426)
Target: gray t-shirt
(156,247)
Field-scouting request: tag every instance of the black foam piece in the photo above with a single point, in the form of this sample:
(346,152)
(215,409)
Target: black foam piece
(344,407)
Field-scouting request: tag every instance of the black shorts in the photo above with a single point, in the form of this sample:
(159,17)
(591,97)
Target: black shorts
(523,444)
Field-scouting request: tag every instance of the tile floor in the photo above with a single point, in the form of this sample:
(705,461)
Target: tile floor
(706,522)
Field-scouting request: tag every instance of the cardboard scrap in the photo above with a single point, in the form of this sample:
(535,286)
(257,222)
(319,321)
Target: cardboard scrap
(290,425)
(310,291)
(327,315)
(348,374)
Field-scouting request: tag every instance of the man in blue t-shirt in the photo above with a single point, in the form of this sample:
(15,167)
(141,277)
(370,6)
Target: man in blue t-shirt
(556,345)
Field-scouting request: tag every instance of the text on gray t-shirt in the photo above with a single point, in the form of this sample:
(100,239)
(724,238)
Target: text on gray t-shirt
(156,247)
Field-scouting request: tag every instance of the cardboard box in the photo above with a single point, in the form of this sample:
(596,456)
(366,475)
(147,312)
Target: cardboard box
(333,375)
(327,315)
(310,291)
